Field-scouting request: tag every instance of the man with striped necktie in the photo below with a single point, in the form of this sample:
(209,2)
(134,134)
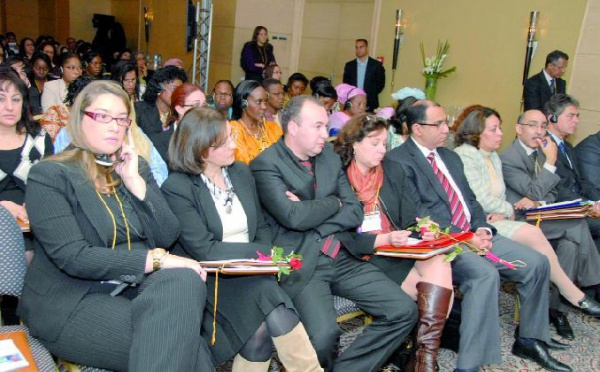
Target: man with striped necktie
(437,175)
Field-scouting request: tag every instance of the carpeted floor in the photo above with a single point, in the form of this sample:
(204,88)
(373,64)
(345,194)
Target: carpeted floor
(583,356)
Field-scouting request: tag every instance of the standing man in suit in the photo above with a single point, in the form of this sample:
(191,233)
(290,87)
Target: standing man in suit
(365,73)
(540,87)
(562,112)
(305,192)
(529,169)
(429,166)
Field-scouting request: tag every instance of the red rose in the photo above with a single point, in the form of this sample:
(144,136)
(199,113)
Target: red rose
(295,263)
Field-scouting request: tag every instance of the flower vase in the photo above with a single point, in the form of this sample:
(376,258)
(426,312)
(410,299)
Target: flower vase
(430,88)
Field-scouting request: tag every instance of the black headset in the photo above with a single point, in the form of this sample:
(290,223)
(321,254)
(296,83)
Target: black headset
(348,105)
(553,118)
(244,104)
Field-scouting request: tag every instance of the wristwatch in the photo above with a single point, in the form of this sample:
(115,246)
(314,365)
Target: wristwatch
(157,258)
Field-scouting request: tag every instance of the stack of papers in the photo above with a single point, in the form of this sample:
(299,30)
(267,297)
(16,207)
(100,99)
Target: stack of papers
(11,357)
(559,211)
(421,249)
(243,267)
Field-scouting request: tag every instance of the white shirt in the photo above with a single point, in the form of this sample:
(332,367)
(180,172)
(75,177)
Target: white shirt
(442,167)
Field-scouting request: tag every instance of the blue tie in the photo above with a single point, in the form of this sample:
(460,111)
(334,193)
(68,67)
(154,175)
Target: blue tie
(563,149)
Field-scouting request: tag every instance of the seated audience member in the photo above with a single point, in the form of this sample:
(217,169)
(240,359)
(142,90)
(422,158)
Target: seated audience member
(253,133)
(3,54)
(398,131)
(126,74)
(49,49)
(175,62)
(478,137)
(155,108)
(40,64)
(562,112)
(324,93)
(103,320)
(588,154)
(92,63)
(26,49)
(220,216)
(391,209)
(184,97)
(20,67)
(272,71)
(144,74)
(71,44)
(275,95)
(141,142)
(126,55)
(24,143)
(429,167)
(296,86)
(304,189)
(353,101)
(55,91)
(55,119)
(223,97)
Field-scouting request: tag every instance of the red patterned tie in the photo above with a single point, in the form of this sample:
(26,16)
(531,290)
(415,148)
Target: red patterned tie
(458,214)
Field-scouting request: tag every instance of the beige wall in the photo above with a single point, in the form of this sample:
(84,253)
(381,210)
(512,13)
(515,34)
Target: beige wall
(328,34)
(81,13)
(488,47)
(585,79)
(22,18)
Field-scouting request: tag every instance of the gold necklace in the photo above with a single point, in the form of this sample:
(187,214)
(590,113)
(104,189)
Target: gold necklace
(114,221)
(258,133)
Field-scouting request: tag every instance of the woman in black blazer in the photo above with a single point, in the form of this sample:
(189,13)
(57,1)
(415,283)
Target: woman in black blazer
(389,209)
(99,290)
(216,203)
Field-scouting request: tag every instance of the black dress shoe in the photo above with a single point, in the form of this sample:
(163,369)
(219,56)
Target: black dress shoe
(589,307)
(563,328)
(537,351)
(557,345)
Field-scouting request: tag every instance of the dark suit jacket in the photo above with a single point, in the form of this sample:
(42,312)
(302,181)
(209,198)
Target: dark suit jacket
(161,141)
(566,188)
(374,80)
(537,91)
(588,155)
(201,229)
(148,117)
(432,200)
(72,232)
(303,226)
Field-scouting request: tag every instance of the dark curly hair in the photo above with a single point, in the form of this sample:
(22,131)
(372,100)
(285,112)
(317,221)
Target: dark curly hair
(398,120)
(161,77)
(26,124)
(75,87)
(470,128)
(122,68)
(355,130)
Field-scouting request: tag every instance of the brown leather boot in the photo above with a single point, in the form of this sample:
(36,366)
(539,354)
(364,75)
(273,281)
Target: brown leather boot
(433,302)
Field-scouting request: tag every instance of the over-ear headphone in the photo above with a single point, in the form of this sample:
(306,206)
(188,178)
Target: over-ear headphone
(553,118)
(244,104)
(348,104)
(316,95)
(61,70)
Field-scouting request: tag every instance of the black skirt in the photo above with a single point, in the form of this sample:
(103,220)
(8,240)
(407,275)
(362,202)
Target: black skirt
(243,304)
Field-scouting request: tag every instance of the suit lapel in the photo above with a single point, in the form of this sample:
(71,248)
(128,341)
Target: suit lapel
(529,165)
(92,207)
(425,168)
(207,204)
